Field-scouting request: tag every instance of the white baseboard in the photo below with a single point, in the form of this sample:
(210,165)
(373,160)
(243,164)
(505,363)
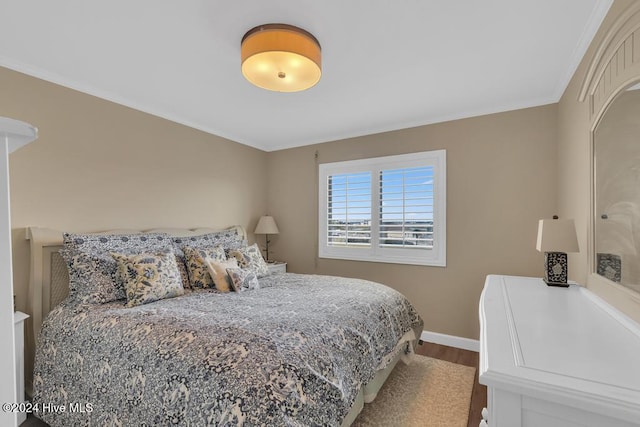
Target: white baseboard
(450,340)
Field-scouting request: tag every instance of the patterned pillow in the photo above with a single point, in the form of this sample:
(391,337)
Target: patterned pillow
(92,270)
(243,279)
(218,271)
(226,238)
(231,246)
(184,274)
(250,257)
(199,276)
(149,277)
(122,243)
(92,277)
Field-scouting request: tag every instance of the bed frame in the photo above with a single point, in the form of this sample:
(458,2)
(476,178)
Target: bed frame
(49,285)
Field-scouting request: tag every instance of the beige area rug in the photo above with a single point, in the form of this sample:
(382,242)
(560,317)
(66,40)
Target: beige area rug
(426,393)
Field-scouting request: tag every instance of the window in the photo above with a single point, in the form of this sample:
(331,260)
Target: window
(384,209)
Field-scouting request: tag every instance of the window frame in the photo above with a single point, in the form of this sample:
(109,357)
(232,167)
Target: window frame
(435,256)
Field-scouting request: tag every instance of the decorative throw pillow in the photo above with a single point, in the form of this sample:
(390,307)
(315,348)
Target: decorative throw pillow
(225,238)
(92,270)
(149,277)
(218,271)
(184,274)
(121,243)
(242,280)
(250,257)
(197,269)
(231,246)
(92,277)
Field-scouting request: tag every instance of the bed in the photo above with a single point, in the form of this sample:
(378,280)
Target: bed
(297,350)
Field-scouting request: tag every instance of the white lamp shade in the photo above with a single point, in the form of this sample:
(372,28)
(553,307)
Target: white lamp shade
(266,225)
(557,235)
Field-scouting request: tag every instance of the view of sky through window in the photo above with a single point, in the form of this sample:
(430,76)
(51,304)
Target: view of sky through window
(403,200)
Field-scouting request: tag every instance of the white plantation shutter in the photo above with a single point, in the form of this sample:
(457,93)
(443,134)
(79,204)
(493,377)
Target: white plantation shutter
(385,209)
(406,207)
(349,210)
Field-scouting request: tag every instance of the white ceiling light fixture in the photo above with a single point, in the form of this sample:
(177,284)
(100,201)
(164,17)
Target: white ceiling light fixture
(281,58)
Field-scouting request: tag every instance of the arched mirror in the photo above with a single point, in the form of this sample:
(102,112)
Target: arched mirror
(617,190)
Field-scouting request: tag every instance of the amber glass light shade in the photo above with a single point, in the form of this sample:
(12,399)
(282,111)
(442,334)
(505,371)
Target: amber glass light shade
(281,58)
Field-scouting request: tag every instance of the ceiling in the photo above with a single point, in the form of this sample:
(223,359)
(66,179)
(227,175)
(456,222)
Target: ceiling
(386,65)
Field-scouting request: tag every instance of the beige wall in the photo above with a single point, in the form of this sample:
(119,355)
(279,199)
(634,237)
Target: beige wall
(574,171)
(99,165)
(501,174)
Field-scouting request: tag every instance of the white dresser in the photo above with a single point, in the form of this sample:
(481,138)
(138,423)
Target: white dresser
(556,357)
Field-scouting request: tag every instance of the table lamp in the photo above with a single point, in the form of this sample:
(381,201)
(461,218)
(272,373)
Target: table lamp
(266,225)
(556,237)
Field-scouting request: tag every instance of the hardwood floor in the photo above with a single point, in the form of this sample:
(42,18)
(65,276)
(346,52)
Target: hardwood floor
(463,357)
(450,354)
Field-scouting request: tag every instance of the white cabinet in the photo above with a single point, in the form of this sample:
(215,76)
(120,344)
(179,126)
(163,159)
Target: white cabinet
(13,135)
(554,356)
(18,322)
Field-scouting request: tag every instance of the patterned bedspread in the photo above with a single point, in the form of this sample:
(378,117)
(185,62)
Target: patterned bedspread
(294,352)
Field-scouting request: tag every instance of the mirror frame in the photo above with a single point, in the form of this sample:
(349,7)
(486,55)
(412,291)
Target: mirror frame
(614,67)
(593,275)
